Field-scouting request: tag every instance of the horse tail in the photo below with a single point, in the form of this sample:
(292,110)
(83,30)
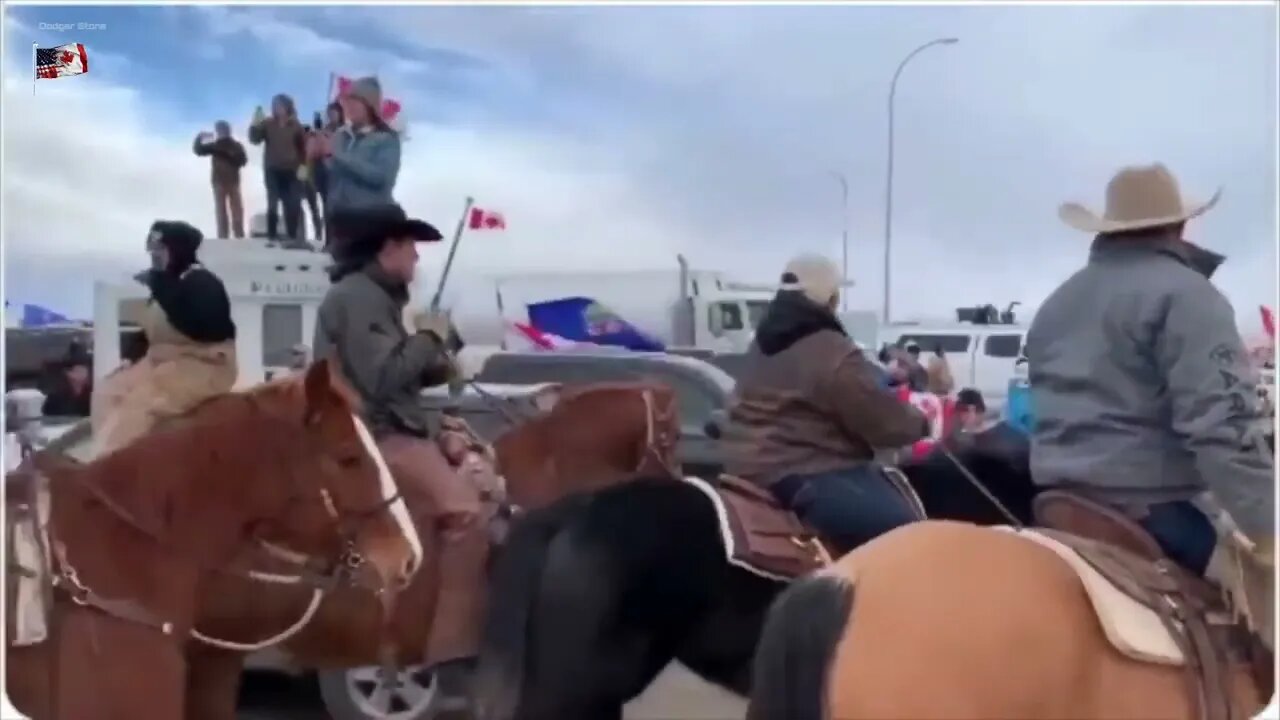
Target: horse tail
(797,647)
(515,578)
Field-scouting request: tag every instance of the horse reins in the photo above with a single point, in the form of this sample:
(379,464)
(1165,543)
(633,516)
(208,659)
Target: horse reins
(656,437)
(506,408)
(977,484)
(67,578)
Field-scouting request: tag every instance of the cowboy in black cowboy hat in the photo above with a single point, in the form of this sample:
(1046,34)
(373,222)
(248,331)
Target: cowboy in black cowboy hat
(361,323)
(360,234)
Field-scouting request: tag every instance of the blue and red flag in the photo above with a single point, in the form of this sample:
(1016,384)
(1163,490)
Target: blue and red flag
(582,319)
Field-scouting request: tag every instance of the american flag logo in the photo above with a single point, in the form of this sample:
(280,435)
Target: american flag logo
(61,61)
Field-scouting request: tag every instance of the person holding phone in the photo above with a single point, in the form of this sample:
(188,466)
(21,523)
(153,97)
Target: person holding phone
(226,157)
(284,140)
(363,156)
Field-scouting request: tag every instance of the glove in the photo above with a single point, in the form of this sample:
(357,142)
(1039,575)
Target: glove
(435,322)
(304,173)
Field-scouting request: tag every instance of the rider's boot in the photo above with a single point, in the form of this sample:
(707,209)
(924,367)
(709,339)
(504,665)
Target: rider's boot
(460,607)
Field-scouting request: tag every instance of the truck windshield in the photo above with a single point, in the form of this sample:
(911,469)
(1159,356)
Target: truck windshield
(730,316)
(755,311)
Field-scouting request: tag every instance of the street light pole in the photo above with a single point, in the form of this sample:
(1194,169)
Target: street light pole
(844,237)
(888,182)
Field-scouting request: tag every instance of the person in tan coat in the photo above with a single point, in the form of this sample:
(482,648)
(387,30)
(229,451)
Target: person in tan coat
(191,344)
(226,158)
(941,383)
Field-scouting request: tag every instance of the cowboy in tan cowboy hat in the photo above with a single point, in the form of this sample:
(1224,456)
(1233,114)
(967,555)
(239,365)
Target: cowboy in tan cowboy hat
(1138,198)
(1140,384)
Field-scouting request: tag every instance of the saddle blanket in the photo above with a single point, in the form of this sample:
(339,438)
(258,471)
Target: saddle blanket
(758,534)
(31,568)
(1133,628)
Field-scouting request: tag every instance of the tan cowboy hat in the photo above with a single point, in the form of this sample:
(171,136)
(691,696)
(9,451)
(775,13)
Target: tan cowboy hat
(1138,197)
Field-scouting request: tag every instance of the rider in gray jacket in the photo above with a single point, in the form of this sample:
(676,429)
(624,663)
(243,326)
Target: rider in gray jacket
(1143,393)
(361,324)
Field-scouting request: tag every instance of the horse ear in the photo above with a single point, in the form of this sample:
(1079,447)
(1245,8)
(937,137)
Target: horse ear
(317,389)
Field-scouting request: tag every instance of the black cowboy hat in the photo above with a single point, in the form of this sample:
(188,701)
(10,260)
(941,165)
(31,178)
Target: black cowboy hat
(361,232)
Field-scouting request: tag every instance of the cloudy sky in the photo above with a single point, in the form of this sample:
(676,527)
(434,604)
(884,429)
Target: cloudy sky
(618,137)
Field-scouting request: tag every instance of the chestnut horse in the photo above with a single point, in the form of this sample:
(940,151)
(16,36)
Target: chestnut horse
(950,620)
(594,435)
(128,537)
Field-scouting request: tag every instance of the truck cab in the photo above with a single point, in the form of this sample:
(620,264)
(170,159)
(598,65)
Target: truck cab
(724,314)
(275,293)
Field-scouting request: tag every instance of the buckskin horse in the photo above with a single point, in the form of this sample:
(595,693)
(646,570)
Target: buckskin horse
(118,545)
(949,620)
(588,436)
(594,595)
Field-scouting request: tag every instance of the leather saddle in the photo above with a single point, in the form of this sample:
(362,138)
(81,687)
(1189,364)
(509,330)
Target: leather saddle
(771,539)
(763,536)
(1190,608)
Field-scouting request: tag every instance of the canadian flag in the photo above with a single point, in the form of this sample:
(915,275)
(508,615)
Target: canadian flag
(527,337)
(1268,322)
(934,410)
(482,219)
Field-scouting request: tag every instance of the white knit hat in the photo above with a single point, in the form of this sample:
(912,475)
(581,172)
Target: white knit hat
(814,275)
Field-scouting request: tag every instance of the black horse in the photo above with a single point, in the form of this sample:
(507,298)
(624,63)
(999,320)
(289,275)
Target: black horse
(593,596)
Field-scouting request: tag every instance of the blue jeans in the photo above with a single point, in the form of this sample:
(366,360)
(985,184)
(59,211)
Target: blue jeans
(283,189)
(1183,532)
(846,507)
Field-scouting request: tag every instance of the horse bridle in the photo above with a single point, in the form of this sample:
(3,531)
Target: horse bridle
(657,437)
(343,570)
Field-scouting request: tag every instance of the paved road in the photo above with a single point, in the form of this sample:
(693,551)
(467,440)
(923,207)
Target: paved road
(676,695)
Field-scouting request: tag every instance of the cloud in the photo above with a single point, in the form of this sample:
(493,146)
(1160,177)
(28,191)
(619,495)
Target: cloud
(620,136)
(80,194)
(298,45)
(731,118)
